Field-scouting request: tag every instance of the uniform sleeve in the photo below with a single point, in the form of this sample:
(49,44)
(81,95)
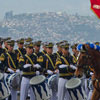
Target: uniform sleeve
(3,62)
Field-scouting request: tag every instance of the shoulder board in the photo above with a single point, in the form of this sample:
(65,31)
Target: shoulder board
(21,59)
(2,57)
(58,61)
(40,59)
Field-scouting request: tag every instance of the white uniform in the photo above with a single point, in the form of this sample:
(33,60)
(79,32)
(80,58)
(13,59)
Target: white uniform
(62,91)
(25,86)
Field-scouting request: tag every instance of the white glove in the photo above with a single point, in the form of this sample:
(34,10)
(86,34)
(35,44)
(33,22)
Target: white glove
(91,73)
(49,72)
(37,73)
(17,71)
(57,71)
(37,66)
(27,65)
(63,66)
(10,70)
(73,67)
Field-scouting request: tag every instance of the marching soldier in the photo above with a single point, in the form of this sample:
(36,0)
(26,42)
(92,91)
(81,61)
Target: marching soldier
(37,52)
(30,68)
(44,51)
(20,51)
(58,54)
(75,53)
(9,64)
(48,63)
(6,44)
(29,39)
(66,71)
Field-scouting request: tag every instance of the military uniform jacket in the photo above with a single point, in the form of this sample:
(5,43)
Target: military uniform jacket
(8,60)
(20,52)
(66,72)
(2,51)
(38,55)
(28,59)
(47,62)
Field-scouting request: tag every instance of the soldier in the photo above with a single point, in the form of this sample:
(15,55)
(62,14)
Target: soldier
(75,53)
(44,51)
(9,64)
(66,71)
(37,52)
(30,68)
(20,51)
(59,52)
(48,63)
(6,44)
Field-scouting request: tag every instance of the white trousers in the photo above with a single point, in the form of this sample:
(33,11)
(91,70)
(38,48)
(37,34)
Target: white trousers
(90,95)
(87,86)
(62,91)
(25,86)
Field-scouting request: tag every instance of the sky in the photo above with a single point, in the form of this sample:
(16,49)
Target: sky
(34,6)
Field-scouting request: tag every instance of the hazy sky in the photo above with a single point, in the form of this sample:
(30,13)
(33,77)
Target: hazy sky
(33,6)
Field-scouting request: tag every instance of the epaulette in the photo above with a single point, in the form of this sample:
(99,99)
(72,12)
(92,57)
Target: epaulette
(2,57)
(40,59)
(58,61)
(21,59)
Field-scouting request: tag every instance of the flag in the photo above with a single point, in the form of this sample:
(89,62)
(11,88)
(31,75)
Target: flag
(95,7)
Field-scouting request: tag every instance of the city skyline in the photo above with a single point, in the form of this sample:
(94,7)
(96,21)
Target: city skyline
(81,7)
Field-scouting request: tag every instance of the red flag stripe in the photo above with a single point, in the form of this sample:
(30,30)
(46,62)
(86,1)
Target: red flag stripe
(95,6)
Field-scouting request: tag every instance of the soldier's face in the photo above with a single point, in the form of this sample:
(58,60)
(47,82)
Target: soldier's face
(10,48)
(37,48)
(73,50)
(20,45)
(49,50)
(44,48)
(59,48)
(6,44)
(29,50)
(65,51)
